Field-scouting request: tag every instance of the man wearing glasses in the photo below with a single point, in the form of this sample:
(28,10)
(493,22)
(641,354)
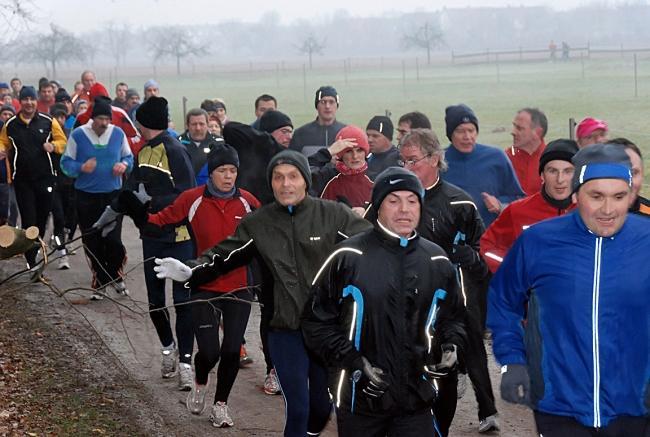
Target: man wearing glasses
(451,220)
(321,132)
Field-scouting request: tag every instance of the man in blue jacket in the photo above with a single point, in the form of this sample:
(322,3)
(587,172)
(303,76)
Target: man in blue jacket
(485,172)
(582,361)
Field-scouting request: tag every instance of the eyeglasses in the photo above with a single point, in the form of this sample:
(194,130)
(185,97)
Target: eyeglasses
(411,162)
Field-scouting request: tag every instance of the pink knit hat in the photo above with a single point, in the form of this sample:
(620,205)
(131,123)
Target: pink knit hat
(353,132)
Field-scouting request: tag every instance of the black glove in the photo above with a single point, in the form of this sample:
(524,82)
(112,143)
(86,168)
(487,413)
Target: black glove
(515,384)
(376,384)
(463,255)
(448,362)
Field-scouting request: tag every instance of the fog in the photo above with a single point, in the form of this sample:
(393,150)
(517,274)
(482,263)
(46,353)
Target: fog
(194,33)
(82,15)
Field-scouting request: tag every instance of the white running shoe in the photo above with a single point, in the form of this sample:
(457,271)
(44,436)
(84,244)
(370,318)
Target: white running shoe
(169,357)
(195,401)
(271,384)
(220,417)
(120,288)
(185,377)
(64,262)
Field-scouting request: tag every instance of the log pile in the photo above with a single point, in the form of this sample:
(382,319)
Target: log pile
(15,241)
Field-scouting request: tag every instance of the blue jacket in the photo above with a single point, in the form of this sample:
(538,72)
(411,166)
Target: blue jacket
(484,169)
(587,339)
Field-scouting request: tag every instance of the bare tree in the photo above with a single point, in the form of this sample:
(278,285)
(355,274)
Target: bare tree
(118,41)
(175,42)
(311,46)
(53,48)
(14,15)
(428,37)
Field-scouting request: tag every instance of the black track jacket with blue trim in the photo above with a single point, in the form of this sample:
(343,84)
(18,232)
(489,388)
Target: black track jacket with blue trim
(393,301)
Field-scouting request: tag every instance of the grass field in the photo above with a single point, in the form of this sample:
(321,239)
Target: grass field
(494,92)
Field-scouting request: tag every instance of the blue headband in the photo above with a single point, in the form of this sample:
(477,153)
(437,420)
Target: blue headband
(603,170)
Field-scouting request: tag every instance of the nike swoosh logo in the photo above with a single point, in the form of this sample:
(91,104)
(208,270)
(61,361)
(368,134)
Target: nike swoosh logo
(393,182)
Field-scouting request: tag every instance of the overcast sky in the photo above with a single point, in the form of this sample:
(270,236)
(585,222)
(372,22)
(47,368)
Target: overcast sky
(83,15)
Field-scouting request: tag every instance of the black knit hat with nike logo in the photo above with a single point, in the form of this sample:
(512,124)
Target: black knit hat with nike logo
(389,180)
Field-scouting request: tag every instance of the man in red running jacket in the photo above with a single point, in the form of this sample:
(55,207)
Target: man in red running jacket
(556,171)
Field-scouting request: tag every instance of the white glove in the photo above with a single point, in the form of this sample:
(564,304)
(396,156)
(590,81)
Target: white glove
(107,221)
(173,269)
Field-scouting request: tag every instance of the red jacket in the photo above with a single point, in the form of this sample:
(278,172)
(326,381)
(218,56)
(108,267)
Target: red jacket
(119,119)
(355,190)
(527,168)
(519,215)
(211,221)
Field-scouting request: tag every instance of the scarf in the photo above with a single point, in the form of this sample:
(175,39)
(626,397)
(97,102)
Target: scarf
(347,171)
(214,191)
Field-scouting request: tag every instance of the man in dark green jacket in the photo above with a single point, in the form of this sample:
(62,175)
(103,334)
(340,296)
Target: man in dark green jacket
(293,236)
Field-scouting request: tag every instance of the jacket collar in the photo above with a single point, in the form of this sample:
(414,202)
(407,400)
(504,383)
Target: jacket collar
(559,204)
(393,239)
(296,209)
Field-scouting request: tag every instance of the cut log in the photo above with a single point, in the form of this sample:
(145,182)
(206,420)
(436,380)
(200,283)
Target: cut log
(14,241)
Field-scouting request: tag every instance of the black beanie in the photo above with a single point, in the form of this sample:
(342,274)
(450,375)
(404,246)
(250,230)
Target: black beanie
(153,113)
(561,149)
(102,106)
(222,154)
(393,179)
(381,124)
(290,157)
(457,115)
(27,91)
(326,91)
(62,96)
(601,161)
(273,120)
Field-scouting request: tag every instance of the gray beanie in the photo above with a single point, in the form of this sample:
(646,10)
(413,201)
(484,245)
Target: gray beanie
(601,161)
(290,157)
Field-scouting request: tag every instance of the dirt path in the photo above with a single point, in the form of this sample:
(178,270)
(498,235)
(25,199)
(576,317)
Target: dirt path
(132,340)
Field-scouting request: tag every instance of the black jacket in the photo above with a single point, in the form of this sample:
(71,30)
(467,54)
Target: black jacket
(322,171)
(27,158)
(255,151)
(292,244)
(163,166)
(378,162)
(198,154)
(449,215)
(375,298)
(314,134)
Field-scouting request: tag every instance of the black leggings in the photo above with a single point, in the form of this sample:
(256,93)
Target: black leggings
(34,200)
(107,255)
(205,320)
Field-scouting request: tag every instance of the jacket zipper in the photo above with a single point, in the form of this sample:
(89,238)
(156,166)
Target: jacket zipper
(594,330)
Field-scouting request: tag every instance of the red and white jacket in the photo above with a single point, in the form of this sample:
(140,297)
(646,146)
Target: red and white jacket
(211,220)
(518,216)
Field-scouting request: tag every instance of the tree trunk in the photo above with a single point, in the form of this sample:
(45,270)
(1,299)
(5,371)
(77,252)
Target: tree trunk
(178,65)
(53,68)
(429,55)
(14,241)
(310,54)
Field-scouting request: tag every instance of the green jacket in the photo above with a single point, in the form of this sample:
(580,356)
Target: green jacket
(292,243)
